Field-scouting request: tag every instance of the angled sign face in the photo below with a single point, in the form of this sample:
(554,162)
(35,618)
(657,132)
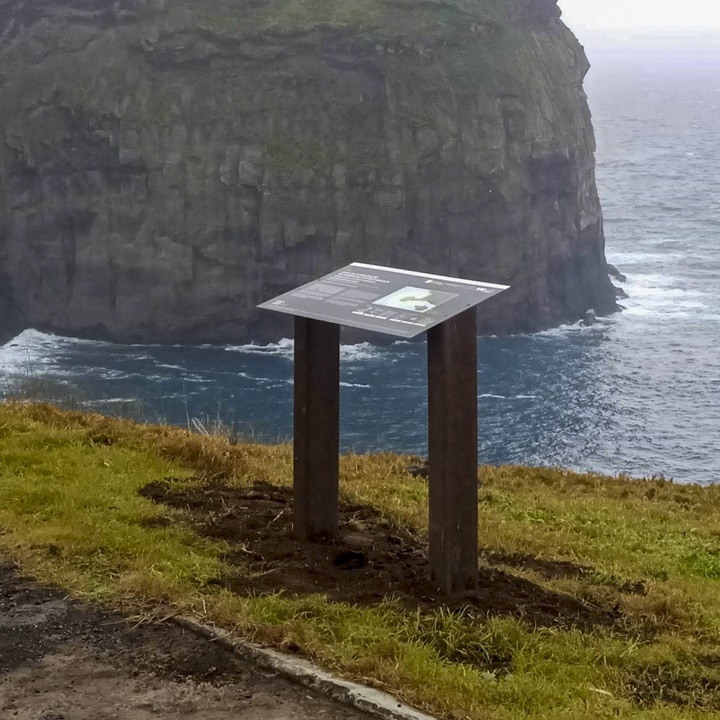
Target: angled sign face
(387,300)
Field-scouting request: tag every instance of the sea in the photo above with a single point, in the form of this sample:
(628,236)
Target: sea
(636,394)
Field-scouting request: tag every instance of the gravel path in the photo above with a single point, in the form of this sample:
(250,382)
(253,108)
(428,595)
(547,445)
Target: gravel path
(65,660)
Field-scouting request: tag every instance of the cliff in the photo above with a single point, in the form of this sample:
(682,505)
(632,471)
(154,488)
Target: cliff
(165,165)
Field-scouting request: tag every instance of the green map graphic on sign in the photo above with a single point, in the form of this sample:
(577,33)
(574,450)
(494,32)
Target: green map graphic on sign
(415,299)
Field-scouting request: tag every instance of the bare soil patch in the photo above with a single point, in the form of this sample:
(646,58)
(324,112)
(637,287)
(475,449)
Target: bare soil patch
(370,560)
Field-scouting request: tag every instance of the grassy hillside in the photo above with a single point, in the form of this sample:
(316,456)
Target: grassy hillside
(598,595)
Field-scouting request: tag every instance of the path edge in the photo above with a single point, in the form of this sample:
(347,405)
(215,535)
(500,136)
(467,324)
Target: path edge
(301,671)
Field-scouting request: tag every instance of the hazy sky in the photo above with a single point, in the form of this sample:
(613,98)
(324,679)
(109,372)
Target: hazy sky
(642,14)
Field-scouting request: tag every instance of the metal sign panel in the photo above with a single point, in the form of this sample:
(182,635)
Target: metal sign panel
(396,302)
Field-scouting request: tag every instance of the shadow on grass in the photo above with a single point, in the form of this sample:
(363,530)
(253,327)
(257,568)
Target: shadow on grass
(371,560)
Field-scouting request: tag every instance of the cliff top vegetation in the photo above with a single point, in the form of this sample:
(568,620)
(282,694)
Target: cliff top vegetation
(375,19)
(598,595)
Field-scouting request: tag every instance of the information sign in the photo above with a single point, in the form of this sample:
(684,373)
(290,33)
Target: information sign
(405,304)
(383,299)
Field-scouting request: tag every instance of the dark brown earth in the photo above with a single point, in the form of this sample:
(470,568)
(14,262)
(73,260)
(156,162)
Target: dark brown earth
(371,560)
(65,660)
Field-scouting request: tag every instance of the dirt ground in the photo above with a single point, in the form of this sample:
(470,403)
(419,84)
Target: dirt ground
(371,558)
(65,660)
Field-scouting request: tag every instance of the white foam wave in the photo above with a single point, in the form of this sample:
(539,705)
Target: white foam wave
(231,373)
(29,352)
(33,337)
(360,351)
(655,294)
(110,374)
(38,345)
(284,348)
(509,397)
(666,312)
(642,258)
(577,327)
(111,401)
(272,382)
(353,385)
(660,282)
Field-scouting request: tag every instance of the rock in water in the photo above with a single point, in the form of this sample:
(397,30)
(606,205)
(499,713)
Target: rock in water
(613,272)
(165,165)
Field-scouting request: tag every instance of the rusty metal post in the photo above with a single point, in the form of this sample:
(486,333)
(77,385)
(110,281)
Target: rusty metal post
(316,445)
(452,436)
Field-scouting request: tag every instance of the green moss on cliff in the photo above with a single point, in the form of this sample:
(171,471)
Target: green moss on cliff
(377,20)
(430,132)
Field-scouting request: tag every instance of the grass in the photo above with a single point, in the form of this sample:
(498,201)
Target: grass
(70,513)
(373,20)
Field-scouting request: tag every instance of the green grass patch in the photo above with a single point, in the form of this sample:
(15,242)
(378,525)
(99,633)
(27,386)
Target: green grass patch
(646,552)
(375,20)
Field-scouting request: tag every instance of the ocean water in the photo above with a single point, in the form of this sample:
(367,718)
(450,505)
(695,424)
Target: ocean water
(637,393)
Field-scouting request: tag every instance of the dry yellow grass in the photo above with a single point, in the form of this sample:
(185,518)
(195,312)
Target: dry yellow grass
(70,513)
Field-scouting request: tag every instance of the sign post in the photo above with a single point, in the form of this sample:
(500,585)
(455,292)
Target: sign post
(316,441)
(452,449)
(404,304)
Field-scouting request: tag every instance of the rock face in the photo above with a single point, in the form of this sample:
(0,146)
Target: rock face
(165,165)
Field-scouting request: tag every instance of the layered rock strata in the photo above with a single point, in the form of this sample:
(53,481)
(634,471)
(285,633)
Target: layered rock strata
(166,165)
